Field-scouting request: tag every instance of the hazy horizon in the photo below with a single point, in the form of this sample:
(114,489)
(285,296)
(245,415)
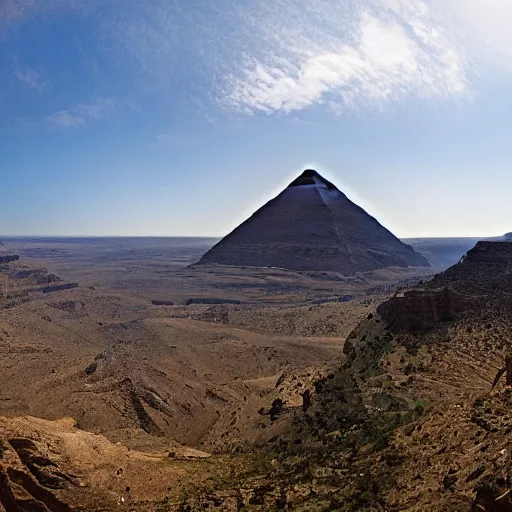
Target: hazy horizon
(199,237)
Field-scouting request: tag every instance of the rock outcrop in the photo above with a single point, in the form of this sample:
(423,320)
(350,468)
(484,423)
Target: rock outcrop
(19,282)
(312,226)
(9,258)
(416,310)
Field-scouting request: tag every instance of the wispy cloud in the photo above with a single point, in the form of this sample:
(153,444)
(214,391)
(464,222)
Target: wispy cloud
(168,138)
(483,27)
(82,115)
(19,10)
(384,52)
(286,56)
(32,79)
(283,57)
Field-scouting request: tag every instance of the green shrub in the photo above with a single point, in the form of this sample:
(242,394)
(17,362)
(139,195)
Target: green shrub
(419,407)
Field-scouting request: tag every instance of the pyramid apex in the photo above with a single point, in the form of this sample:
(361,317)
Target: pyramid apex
(310,173)
(311,177)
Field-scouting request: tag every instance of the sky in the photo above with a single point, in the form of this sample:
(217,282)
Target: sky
(182,117)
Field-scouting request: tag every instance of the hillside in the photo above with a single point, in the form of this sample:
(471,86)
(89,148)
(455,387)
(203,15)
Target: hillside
(411,420)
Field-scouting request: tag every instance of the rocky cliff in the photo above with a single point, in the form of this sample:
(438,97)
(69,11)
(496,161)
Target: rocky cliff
(418,309)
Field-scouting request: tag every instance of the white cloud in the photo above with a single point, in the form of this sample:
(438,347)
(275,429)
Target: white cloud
(392,51)
(82,114)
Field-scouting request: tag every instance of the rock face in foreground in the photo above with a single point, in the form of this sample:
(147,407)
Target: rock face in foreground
(312,226)
(418,310)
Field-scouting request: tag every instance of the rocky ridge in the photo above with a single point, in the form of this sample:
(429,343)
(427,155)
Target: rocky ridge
(19,282)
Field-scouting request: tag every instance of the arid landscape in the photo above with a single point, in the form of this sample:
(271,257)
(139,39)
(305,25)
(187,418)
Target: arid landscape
(131,379)
(255,256)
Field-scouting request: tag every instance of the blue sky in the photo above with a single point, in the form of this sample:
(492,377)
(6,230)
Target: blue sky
(167,117)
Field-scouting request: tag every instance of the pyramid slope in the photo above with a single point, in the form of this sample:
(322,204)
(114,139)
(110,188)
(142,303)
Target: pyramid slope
(312,226)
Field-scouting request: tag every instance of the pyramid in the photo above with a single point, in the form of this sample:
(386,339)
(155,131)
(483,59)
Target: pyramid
(312,226)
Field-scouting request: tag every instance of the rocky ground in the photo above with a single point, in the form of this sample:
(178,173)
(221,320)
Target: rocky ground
(195,408)
(163,387)
(411,420)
